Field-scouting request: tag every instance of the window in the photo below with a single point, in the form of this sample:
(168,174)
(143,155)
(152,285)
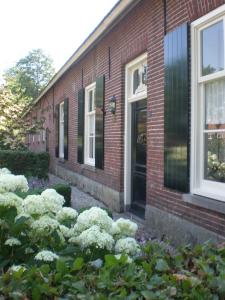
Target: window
(90,125)
(61,130)
(33,138)
(43,135)
(208,105)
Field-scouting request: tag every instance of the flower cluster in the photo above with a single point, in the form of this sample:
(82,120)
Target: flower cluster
(44,226)
(215,168)
(123,227)
(66,213)
(12,242)
(13,183)
(94,237)
(93,216)
(46,255)
(10,200)
(127,245)
(4,171)
(52,200)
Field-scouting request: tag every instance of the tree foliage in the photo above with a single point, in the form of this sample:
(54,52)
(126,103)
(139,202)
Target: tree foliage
(30,75)
(13,128)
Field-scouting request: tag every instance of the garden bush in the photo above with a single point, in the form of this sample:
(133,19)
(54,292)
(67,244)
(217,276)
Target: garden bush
(48,251)
(27,163)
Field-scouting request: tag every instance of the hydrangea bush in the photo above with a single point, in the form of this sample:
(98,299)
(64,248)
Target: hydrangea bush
(48,251)
(34,227)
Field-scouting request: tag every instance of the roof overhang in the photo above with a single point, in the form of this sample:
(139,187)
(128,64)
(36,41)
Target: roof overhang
(110,20)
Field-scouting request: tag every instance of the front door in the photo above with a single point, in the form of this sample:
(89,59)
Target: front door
(138,155)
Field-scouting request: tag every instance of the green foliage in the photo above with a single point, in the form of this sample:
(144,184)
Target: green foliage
(65,191)
(30,75)
(13,128)
(199,275)
(25,162)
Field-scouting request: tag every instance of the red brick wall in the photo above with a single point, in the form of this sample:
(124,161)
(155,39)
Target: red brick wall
(141,30)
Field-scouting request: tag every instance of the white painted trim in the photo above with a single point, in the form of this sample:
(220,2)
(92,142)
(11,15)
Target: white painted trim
(198,185)
(61,131)
(87,160)
(127,130)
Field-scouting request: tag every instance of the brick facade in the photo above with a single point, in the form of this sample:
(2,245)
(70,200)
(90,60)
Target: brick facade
(142,29)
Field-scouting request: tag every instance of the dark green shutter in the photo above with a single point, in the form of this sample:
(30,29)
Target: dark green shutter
(99,122)
(176,127)
(80,137)
(66,127)
(57,130)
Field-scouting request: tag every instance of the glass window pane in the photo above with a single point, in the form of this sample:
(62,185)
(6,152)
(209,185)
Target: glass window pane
(91,147)
(91,124)
(90,101)
(212,49)
(215,156)
(215,105)
(136,80)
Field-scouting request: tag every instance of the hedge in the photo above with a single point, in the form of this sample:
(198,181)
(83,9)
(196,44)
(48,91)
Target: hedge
(25,162)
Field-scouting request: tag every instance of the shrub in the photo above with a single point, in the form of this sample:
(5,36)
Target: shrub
(25,162)
(65,191)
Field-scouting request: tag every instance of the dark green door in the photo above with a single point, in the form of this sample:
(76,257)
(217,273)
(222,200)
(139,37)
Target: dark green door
(138,170)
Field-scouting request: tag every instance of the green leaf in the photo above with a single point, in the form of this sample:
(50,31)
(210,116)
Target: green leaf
(78,264)
(61,266)
(161,265)
(110,261)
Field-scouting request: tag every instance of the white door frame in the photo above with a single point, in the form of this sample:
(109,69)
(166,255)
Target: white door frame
(129,99)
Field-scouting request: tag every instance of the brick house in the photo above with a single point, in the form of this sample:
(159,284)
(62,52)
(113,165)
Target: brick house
(136,117)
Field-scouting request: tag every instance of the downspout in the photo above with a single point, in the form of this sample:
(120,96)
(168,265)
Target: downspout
(165,16)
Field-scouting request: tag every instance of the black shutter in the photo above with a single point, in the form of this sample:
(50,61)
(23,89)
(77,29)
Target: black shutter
(99,122)
(80,137)
(66,127)
(176,127)
(57,130)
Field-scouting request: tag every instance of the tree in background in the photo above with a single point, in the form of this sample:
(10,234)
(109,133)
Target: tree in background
(13,128)
(23,83)
(30,75)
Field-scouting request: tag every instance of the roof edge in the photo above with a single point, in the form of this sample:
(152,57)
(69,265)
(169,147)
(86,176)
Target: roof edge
(97,33)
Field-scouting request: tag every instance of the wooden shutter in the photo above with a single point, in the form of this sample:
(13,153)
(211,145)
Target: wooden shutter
(80,137)
(176,127)
(99,122)
(66,127)
(57,130)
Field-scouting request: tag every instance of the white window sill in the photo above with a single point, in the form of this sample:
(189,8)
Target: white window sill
(205,202)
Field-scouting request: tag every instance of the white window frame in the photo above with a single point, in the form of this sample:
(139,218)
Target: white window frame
(43,135)
(61,130)
(129,99)
(199,185)
(33,139)
(88,160)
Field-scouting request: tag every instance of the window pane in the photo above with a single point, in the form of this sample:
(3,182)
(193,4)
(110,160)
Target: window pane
(215,105)
(212,49)
(91,124)
(215,156)
(90,101)
(136,80)
(91,147)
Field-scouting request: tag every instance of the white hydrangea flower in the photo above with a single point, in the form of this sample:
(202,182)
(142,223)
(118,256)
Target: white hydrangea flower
(93,216)
(46,255)
(12,242)
(29,250)
(66,213)
(93,236)
(45,225)
(66,231)
(124,227)
(12,183)
(127,245)
(53,201)
(15,268)
(34,205)
(4,171)
(10,199)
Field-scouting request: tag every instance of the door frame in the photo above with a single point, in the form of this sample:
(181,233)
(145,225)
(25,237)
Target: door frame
(129,99)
